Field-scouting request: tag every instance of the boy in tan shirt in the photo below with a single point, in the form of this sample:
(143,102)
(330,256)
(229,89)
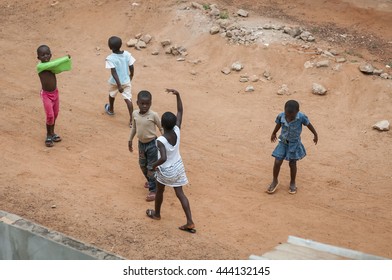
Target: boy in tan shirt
(144,123)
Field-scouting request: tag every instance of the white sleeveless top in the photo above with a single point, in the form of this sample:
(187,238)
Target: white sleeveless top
(172,172)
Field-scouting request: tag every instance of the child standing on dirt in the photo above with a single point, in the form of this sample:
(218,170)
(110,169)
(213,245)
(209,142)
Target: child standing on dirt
(121,66)
(290,147)
(169,167)
(49,92)
(144,125)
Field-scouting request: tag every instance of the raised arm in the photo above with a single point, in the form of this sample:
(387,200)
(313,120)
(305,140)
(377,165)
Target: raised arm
(180,109)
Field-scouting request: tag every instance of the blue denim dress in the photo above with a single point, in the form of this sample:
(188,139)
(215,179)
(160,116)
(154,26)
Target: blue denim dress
(290,146)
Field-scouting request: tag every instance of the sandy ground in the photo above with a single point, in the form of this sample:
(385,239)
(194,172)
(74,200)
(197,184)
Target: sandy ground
(345,182)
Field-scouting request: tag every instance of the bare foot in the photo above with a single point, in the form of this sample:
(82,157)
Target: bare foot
(272,188)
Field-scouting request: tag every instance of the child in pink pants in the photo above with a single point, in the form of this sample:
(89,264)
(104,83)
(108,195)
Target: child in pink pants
(49,96)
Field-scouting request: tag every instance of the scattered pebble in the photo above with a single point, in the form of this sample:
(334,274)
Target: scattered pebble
(318,89)
(382,125)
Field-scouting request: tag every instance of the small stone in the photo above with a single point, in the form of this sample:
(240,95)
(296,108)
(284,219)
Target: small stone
(267,26)
(53,206)
(140,45)
(168,50)
(323,63)
(377,72)
(237,66)
(214,30)
(334,52)
(244,80)
(293,32)
(318,89)
(283,90)
(155,52)
(327,53)
(267,75)
(242,13)
(193,72)
(308,64)
(337,67)
(165,42)
(311,39)
(197,6)
(97,49)
(366,68)
(132,42)
(137,36)
(384,75)
(249,89)
(382,125)
(340,59)
(181,59)
(146,38)
(254,78)
(226,71)
(214,11)
(305,35)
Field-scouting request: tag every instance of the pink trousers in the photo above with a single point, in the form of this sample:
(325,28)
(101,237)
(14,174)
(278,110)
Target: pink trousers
(51,105)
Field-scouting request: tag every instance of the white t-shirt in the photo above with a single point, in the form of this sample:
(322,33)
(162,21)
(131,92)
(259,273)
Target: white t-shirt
(172,152)
(121,63)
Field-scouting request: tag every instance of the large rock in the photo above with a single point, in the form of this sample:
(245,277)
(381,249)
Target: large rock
(323,63)
(318,89)
(214,11)
(165,42)
(366,68)
(140,45)
(242,13)
(237,66)
(292,31)
(384,75)
(132,42)
(146,38)
(340,60)
(214,30)
(382,125)
(377,72)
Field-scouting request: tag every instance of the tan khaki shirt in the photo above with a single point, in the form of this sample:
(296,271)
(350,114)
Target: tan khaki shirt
(144,126)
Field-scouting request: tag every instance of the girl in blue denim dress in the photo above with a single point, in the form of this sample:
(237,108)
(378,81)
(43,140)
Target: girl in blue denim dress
(290,147)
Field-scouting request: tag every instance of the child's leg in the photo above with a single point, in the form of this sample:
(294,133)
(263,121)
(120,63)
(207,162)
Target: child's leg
(293,175)
(151,154)
(111,104)
(185,205)
(56,108)
(159,199)
(275,172)
(130,110)
(127,95)
(142,159)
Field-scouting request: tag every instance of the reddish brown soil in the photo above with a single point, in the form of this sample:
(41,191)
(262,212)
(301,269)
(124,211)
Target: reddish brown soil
(344,197)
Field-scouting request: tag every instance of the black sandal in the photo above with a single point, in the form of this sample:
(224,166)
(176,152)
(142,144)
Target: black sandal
(49,142)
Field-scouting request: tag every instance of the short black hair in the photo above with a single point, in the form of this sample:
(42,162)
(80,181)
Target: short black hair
(144,94)
(291,106)
(114,43)
(42,47)
(168,120)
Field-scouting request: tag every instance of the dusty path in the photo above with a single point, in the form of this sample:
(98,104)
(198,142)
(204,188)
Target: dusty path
(344,183)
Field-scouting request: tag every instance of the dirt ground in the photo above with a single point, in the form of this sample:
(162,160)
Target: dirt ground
(344,197)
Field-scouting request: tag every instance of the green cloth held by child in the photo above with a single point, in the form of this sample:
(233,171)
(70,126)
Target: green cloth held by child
(55,66)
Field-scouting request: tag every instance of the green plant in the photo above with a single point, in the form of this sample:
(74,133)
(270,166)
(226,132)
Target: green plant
(206,6)
(224,15)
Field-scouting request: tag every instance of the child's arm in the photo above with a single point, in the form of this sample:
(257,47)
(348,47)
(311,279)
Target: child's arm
(132,135)
(311,128)
(180,109)
(131,71)
(162,152)
(115,76)
(276,129)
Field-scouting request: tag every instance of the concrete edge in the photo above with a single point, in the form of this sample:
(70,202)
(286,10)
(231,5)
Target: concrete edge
(57,237)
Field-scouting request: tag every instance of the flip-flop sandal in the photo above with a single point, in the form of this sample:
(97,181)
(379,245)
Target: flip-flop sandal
(56,138)
(151,214)
(150,197)
(273,190)
(293,190)
(107,110)
(49,142)
(187,229)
